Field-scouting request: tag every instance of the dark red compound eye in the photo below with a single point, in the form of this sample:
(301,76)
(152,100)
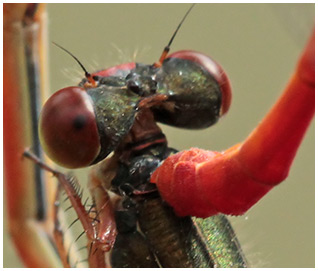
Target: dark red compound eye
(68,130)
(214,69)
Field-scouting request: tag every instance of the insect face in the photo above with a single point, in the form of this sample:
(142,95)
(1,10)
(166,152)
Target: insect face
(80,126)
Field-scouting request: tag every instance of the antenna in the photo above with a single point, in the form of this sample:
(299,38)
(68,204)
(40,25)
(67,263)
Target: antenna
(167,48)
(88,76)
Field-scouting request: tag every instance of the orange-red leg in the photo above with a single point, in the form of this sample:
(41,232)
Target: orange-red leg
(30,224)
(203,183)
(100,228)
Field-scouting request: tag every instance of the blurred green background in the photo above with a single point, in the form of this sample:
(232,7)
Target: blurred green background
(258,45)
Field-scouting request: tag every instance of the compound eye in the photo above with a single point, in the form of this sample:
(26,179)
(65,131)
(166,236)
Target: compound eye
(68,130)
(214,69)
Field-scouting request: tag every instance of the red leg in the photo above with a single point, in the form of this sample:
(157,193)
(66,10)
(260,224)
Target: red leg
(58,232)
(29,221)
(100,229)
(233,181)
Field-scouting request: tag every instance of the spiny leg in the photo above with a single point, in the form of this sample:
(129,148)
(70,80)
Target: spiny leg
(58,231)
(100,228)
